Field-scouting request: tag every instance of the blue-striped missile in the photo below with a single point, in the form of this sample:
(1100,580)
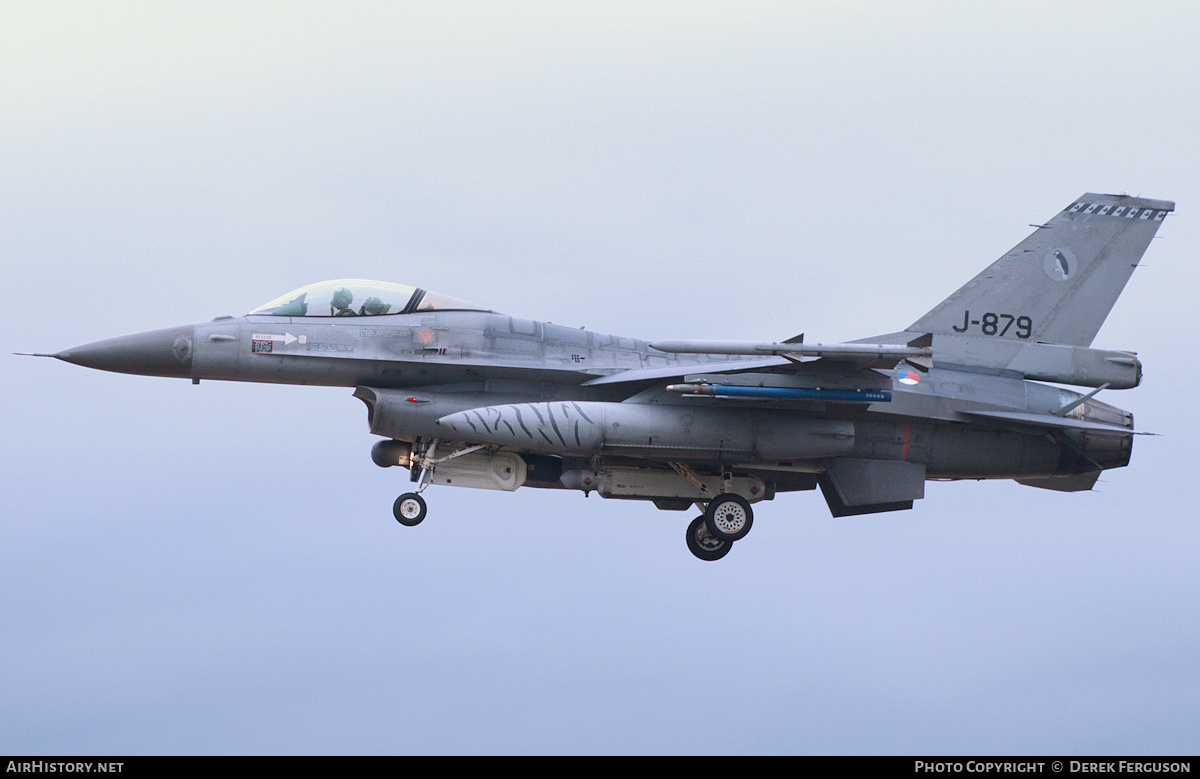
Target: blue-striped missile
(781,393)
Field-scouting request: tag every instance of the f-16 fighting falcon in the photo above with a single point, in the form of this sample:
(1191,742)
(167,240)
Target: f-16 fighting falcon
(468,397)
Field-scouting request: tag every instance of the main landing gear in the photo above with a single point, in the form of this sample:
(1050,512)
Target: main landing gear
(727,518)
(704,544)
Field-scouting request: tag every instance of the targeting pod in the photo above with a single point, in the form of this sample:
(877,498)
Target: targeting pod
(390,452)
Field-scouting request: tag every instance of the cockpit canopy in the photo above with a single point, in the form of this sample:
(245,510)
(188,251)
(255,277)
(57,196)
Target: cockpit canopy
(359,297)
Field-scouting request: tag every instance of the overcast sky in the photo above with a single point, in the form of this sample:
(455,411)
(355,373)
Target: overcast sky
(215,568)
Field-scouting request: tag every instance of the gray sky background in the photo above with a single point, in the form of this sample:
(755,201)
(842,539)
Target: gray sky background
(215,569)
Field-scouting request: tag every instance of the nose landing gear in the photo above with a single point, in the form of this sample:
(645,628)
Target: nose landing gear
(409,509)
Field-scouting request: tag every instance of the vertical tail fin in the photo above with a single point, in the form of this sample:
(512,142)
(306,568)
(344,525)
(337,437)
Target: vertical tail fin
(1058,285)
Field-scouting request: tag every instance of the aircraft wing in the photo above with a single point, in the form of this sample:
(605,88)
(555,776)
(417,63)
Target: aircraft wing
(776,355)
(677,371)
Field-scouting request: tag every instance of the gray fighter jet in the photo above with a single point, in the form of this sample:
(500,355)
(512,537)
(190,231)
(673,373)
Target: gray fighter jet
(468,397)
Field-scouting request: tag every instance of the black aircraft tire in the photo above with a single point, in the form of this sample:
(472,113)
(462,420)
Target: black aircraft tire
(729,517)
(409,509)
(703,544)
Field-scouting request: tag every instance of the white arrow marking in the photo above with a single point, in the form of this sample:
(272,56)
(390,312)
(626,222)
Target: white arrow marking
(287,338)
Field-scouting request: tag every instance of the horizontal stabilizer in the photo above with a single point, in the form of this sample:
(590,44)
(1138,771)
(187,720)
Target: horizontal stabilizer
(1080,482)
(1049,421)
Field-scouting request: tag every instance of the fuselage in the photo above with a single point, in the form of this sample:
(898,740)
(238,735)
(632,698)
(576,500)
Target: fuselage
(461,360)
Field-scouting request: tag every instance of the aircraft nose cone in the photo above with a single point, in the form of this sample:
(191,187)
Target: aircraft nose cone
(166,352)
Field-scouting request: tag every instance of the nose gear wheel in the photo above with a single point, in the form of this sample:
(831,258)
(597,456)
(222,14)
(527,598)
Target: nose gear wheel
(409,509)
